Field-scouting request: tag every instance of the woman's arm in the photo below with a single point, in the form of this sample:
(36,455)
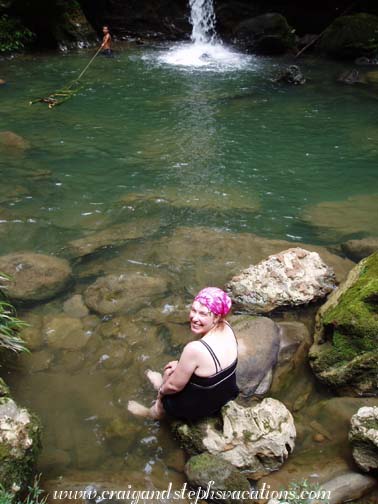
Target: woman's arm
(185,368)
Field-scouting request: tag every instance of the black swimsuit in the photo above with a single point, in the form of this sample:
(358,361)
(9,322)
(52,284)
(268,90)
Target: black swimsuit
(203,396)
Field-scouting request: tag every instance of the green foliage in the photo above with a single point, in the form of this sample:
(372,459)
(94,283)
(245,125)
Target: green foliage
(13,35)
(303,492)
(10,325)
(35,495)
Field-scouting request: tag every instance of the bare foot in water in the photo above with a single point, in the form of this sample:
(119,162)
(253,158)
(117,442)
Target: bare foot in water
(138,409)
(155,378)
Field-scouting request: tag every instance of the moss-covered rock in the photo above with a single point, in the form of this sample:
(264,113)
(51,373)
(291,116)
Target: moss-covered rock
(363,437)
(224,477)
(19,444)
(267,34)
(351,36)
(4,389)
(190,435)
(344,354)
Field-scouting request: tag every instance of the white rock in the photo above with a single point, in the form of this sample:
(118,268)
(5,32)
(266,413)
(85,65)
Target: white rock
(256,439)
(291,278)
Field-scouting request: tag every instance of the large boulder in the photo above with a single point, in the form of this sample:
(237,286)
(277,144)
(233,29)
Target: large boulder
(202,469)
(34,277)
(19,445)
(351,36)
(124,293)
(258,346)
(364,438)
(256,439)
(344,354)
(291,278)
(267,34)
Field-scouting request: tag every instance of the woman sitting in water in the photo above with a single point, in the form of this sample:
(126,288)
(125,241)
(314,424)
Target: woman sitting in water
(203,380)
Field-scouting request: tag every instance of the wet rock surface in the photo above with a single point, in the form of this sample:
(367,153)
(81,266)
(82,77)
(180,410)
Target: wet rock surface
(330,216)
(267,34)
(291,278)
(34,277)
(19,444)
(258,347)
(123,293)
(344,354)
(363,437)
(359,249)
(203,468)
(255,439)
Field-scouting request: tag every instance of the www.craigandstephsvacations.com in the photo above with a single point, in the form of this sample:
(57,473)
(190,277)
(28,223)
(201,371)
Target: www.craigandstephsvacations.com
(135,496)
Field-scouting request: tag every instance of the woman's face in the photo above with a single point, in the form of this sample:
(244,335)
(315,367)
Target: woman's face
(201,319)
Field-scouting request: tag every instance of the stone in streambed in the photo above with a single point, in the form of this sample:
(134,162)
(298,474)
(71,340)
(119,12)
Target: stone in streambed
(112,236)
(344,354)
(217,200)
(359,249)
(258,346)
(363,437)
(63,332)
(10,140)
(291,278)
(255,439)
(343,218)
(75,307)
(19,444)
(201,469)
(34,277)
(124,293)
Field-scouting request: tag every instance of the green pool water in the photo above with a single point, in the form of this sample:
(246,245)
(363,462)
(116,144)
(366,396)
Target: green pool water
(221,148)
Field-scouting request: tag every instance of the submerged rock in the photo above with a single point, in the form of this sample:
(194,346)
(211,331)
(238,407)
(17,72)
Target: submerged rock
(351,77)
(112,236)
(256,439)
(217,199)
(291,278)
(359,249)
(34,277)
(65,332)
(344,354)
(201,469)
(330,216)
(291,75)
(258,346)
(19,445)
(10,140)
(124,293)
(364,438)
(75,307)
(267,34)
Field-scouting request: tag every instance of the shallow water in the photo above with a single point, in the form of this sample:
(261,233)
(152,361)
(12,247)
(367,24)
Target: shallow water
(217,145)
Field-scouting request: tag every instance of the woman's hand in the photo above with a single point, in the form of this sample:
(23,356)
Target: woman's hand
(170,367)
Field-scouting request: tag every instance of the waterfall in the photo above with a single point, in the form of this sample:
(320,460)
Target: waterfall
(205,49)
(202,18)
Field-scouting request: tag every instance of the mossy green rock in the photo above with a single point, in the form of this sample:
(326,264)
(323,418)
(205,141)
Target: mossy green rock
(19,445)
(268,34)
(351,36)
(191,434)
(205,468)
(345,350)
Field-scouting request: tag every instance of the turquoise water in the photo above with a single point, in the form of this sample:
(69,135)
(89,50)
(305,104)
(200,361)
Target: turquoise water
(169,147)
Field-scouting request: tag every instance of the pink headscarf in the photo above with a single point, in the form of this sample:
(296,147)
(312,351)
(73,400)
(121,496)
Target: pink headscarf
(216,300)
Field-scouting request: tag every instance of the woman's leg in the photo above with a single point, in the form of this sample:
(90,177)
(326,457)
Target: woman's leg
(156,412)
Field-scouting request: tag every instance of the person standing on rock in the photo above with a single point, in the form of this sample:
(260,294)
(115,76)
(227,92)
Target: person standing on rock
(204,378)
(106,45)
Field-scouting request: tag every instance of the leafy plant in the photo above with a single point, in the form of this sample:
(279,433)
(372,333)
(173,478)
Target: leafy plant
(303,492)
(10,325)
(13,35)
(35,495)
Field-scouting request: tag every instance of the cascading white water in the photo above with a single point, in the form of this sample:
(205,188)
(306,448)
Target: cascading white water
(206,50)
(202,18)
